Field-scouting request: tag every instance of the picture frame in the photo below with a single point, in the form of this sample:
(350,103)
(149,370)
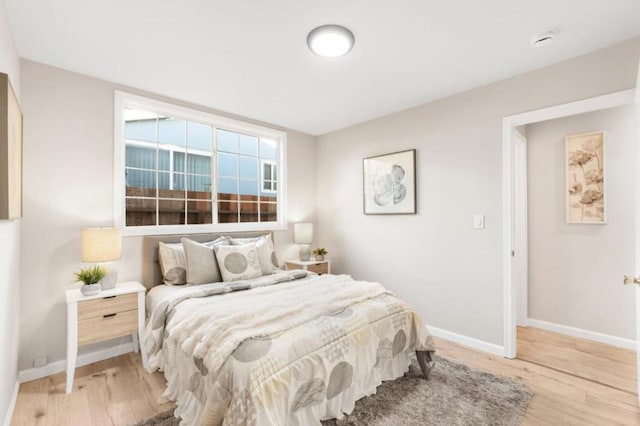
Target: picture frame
(389,183)
(10,152)
(585,178)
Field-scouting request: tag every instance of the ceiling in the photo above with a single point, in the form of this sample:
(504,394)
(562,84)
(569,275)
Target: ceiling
(249,57)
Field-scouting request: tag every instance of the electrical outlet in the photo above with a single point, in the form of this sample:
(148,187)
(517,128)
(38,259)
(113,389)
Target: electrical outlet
(40,362)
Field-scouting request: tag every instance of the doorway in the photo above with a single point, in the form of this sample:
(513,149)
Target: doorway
(566,348)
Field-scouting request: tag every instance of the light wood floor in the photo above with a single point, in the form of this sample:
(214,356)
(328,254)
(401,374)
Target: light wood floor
(606,364)
(119,392)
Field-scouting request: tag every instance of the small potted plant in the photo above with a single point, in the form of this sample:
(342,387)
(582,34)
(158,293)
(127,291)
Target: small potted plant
(319,253)
(90,278)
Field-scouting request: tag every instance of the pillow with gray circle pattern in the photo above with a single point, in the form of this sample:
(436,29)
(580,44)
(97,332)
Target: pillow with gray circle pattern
(266,252)
(238,262)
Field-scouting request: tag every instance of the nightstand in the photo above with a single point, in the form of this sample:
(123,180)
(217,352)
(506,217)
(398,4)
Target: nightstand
(317,266)
(109,314)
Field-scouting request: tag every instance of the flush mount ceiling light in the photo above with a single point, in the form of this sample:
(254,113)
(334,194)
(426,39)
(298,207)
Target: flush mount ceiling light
(543,39)
(330,41)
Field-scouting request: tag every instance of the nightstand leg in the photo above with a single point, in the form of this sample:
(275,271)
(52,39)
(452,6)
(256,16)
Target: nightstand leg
(141,319)
(136,344)
(72,343)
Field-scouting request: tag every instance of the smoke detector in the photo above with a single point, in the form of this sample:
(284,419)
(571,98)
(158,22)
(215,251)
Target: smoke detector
(543,39)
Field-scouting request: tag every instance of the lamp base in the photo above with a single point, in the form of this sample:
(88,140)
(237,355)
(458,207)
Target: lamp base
(109,281)
(305,252)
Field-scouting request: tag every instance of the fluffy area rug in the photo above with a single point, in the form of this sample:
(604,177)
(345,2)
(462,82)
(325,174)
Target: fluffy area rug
(454,395)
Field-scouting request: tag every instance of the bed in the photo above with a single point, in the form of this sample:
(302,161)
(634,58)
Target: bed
(288,348)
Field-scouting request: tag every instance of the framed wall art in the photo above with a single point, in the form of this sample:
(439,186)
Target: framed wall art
(585,178)
(10,152)
(390,183)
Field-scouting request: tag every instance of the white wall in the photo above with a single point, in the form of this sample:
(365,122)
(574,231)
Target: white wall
(68,166)
(451,272)
(9,248)
(575,271)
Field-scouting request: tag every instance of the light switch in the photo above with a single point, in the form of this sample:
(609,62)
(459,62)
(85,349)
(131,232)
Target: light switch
(478,221)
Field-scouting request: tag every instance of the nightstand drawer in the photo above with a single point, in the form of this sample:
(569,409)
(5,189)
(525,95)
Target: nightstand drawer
(321,268)
(96,308)
(107,327)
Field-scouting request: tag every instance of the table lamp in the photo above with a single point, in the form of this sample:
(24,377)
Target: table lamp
(303,235)
(102,245)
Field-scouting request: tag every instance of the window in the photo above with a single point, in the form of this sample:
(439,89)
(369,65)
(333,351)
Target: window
(269,177)
(178,168)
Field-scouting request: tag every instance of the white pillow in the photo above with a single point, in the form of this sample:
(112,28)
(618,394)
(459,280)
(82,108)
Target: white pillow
(173,263)
(202,266)
(238,262)
(266,252)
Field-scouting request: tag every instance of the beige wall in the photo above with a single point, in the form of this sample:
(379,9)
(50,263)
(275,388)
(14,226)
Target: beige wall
(451,272)
(9,248)
(68,165)
(575,271)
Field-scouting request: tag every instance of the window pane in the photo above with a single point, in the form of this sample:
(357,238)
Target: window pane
(200,164)
(248,187)
(199,184)
(227,165)
(266,171)
(171,212)
(227,141)
(199,136)
(164,180)
(199,211)
(268,149)
(248,145)
(228,211)
(178,161)
(248,211)
(227,185)
(140,212)
(178,181)
(172,131)
(248,168)
(164,162)
(268,212)
(140,179)
(140,157)
(140,125)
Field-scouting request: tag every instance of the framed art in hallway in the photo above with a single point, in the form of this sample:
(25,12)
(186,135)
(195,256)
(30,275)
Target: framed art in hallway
(10,152)
(390,183)
(585,178)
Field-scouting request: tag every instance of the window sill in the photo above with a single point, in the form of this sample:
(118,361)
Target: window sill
(138,231)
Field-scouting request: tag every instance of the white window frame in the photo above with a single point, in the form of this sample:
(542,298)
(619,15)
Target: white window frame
(123,100)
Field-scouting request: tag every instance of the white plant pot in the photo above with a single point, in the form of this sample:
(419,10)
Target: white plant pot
(90,289)
(320,257)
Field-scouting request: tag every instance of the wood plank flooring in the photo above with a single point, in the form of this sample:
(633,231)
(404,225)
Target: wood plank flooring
(118,392)
(595,361)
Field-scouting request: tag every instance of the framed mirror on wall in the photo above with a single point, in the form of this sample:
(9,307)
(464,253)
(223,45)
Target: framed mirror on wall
(10,152)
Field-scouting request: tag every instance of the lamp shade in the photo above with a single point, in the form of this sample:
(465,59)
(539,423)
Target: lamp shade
(101,244)
(303,233)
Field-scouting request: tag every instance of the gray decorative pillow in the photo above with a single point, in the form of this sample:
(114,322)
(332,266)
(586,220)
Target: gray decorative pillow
(266,252)
(238,262)
(202,266)
(173,263)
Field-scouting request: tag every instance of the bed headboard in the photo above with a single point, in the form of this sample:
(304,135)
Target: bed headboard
(151,275)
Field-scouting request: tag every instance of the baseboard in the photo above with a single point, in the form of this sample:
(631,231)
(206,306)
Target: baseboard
(467,341)
(584,334)
(12,405)
(84,359)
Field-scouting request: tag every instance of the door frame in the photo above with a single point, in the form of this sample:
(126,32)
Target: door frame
(509,243)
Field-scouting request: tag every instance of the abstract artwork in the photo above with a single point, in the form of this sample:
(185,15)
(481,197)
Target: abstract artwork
(390,183)
(10,152)
(585,179)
